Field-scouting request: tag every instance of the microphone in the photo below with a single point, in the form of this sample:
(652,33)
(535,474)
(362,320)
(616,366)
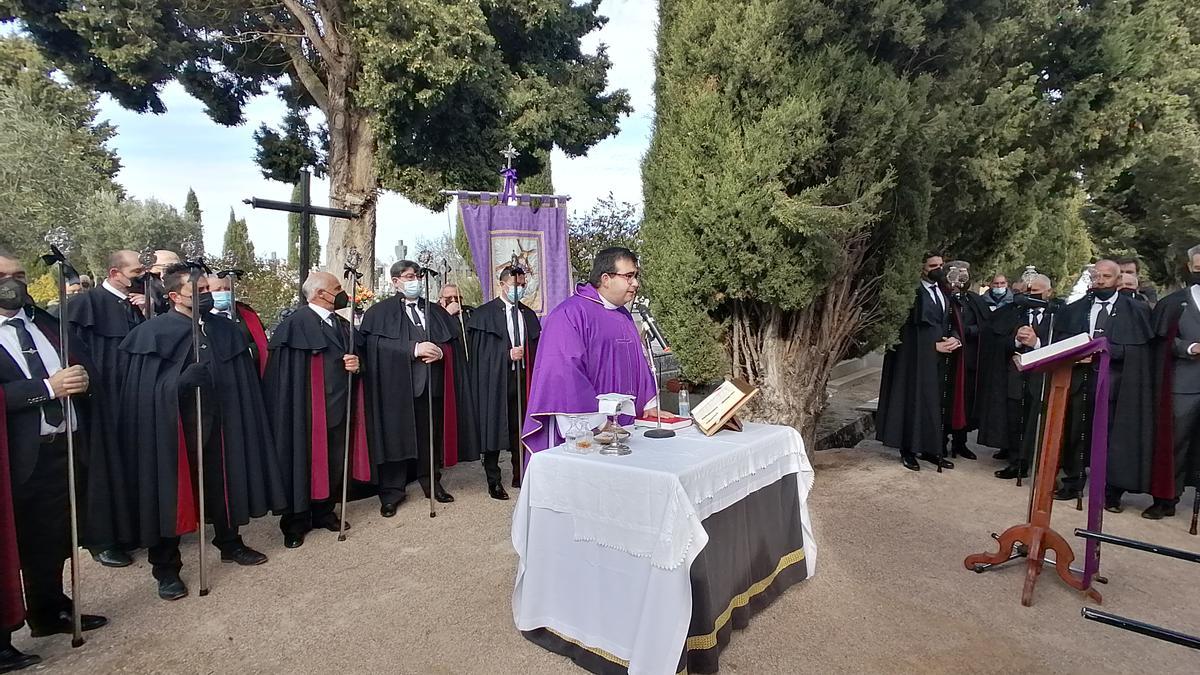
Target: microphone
(644,311)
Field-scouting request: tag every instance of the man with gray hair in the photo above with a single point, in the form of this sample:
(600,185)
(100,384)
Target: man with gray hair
(1177,455)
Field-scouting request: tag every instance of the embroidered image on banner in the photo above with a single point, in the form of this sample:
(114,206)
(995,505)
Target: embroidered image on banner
(528,248)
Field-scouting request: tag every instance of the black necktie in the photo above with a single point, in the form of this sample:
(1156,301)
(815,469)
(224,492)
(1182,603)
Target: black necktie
(53,410)
(937,298)
(416,318)
(516,325)
(1102,319)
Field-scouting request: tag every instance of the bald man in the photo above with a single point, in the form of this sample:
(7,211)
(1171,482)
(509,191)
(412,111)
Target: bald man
(1125,323)
(243,315)
(102,317)
(308,394)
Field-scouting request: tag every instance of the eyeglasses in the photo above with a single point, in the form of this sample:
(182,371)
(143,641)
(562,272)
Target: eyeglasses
(629,276)
(408,277)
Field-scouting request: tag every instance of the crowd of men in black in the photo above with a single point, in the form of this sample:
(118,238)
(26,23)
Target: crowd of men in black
(953,372)
(273,417)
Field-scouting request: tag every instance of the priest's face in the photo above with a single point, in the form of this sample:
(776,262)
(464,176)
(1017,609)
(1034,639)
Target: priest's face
(620,287)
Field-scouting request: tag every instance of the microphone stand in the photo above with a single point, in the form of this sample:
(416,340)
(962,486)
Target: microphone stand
(652,330)
(67,272)
(353,260)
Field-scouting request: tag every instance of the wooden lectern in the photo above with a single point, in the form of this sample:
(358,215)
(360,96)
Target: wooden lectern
(1057,360)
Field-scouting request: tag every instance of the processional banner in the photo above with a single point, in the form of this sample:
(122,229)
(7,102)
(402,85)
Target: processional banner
(533,231)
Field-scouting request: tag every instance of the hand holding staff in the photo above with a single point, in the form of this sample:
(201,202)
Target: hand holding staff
(60,244)
(353,260)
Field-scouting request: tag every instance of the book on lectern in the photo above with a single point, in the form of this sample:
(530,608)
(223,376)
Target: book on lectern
(1050,352)
(718,408)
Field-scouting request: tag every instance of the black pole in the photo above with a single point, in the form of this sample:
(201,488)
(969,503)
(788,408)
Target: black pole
(1138,545)
(305,219)
(1141,627)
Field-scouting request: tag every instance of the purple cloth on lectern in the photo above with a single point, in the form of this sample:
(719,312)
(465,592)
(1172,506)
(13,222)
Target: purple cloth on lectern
(543,230)
(585,350)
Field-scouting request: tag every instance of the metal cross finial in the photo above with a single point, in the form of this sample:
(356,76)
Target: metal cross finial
(193,248)
(148,257)
(425,257)
(510,153)
(353,257)
(60,238)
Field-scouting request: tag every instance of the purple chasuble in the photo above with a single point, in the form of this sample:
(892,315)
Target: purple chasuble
(585,350)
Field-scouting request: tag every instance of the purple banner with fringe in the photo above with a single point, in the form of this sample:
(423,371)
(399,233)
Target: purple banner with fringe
(532,230)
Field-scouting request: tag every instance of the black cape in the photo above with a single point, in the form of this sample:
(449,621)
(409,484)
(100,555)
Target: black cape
(491,368)
(1131,391)
(969,319)
(297,345)
(913,380)
(1175,321)
(241,470)
(388,339)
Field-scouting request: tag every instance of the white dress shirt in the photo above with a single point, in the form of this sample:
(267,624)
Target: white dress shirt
(325,314)
(1096,312)
(45,350)
(508,307)
(109,287)
(934,292)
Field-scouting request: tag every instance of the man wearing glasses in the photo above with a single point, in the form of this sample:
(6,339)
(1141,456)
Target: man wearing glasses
(589,346)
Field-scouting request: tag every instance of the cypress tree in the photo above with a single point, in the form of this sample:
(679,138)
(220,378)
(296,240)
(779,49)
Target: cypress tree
(238,249)
(314,240)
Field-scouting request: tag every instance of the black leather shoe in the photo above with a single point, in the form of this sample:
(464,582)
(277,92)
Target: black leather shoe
(910,462)
(442,497)
(1113,507)
(12,660)
(172,589)
(935,460)
(62,625)
(1009,472)
(496,491)
(113,557)
(293,540)
(388,510)
(1159,510)
(1000,454)
(244,555)
(965,453)
(330,523)
(1063,494)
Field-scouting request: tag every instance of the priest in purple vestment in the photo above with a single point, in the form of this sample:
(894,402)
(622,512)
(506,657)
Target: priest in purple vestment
(589,346)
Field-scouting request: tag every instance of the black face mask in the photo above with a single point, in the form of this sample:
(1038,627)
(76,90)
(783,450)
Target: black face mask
(1104,294)
(206,302)
(1127,292)
(138,285)
(1034,296)
(1195,278)
(14,293)
(341,300)
(937,276)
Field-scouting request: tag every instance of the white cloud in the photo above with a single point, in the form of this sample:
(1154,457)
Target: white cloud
(164,155)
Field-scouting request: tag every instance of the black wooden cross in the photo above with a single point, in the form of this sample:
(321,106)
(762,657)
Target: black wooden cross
(306,210)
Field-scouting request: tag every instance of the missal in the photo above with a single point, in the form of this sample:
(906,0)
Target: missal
(672,422)
(719,407)
(1048,353)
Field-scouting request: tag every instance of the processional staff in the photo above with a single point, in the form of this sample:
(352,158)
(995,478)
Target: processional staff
(194,250)
(425,258)
(353,260)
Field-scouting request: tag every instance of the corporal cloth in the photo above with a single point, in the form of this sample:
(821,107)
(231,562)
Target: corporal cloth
(607,543)
(586,349)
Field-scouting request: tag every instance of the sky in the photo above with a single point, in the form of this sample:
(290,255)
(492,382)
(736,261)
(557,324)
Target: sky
(164,155)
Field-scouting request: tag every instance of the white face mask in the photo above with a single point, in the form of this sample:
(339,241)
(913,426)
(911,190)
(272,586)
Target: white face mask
(412,289)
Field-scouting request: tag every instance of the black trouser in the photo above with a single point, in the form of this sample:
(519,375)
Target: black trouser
(166,561)
(395,476)
(491,460)
(319,512)
(1186,422)
(42,511)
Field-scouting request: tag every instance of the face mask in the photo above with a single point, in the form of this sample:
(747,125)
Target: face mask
(1034,296)
(137,285)
(341,300)
(937,276)
(516,293)
(206,302)
(222,299)
(999,292)
(1104,293)
(1195,278)
(412,289)
(13,293)
(1128,292)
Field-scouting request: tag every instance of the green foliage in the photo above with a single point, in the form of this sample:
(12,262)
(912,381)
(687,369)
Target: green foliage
(314,238)
(108,223)
(269,286)
(282,154)
(445,252)
(238,250)
(609,223)
(191,207)
(807,151)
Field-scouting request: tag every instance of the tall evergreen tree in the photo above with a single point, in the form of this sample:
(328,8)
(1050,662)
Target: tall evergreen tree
(805,152)
(238,250)
(314,238)
(417,96)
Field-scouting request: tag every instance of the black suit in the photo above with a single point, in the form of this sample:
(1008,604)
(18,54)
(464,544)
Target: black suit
(1185,386)
(1025,392)
(38,472)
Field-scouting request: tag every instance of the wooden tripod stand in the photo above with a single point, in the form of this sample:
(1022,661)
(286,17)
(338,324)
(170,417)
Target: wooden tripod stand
(1037,535)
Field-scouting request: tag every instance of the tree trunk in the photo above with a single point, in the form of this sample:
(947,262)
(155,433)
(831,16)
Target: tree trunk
(353,184)
(789,355)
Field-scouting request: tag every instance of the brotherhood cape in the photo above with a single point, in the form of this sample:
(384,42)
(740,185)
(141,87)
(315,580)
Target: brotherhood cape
(304,375)
(12,601)
(912,384)
(969,318)
(586,349)
(388,340)
(241,469)
(491,368)
(1176,324)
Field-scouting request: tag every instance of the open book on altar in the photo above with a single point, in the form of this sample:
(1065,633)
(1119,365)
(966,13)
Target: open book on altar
(719,407)
(1052,352)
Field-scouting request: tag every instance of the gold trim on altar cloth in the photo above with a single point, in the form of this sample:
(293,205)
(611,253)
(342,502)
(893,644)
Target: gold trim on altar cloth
(708,641)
